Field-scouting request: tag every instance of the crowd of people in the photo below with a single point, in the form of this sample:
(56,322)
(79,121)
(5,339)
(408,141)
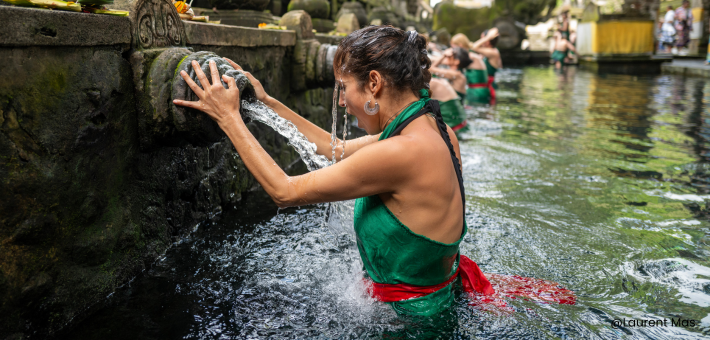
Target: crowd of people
(675,28)
(464,74)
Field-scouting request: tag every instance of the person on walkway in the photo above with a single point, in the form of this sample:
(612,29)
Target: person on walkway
(562,48)
(406,176)
(486,46)
(667,30)
(683,26)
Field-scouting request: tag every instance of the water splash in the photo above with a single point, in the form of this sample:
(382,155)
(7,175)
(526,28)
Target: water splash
(260,112)
(338,216)
(334,127)
(346,129)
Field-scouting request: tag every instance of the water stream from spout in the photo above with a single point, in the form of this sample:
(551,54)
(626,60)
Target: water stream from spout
(260,112)
(338,215)
(334,127)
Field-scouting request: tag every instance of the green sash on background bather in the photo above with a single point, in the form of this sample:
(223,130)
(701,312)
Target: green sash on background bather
(491,71)
(480,94)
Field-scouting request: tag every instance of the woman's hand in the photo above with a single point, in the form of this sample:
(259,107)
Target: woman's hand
(222,105)
(492,33)
(258,88)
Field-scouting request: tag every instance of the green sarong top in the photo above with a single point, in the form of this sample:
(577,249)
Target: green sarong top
(476,76)
(392,253)
(491,71)
(453,113)
(477,95)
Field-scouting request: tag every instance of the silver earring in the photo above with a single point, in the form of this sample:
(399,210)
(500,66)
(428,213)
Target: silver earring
(372,111)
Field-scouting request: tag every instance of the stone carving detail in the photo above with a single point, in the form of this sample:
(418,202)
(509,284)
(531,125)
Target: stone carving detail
(156,24)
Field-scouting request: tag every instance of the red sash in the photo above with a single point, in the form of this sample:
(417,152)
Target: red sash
(481,291)
(472,279)
(491,80)
(460,126)
(489,85)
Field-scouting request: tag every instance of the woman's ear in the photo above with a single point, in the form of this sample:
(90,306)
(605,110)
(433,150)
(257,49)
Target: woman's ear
(375,83)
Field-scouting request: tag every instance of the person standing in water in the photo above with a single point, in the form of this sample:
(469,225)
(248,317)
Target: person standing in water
(450,104)
(562,47)
(406,175)
(564,25)
(486,46)
(478,91)
(457,60)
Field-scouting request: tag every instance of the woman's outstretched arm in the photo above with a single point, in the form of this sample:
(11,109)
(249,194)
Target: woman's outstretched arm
(445,73)
(314,133)
(377,168)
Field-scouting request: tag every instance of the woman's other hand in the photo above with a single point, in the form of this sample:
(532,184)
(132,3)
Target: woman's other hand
(258,88)
(492,33)
(217,102)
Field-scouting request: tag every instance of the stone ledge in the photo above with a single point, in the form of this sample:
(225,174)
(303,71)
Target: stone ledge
(687,68)
(328,39)
(24,26)
(199,33)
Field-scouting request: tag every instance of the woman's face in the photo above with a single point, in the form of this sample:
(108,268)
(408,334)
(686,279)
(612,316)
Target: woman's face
(449,59)
(353,98)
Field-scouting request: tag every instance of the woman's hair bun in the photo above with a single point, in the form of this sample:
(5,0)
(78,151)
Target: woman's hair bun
(400,56)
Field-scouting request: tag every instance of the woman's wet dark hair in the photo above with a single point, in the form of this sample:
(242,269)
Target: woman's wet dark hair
(462,56)
(493,41)
(398,55)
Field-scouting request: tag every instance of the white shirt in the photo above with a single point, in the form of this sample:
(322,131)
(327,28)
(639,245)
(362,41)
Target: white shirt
(668,22)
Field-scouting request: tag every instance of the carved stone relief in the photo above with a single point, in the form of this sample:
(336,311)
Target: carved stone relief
(156,23)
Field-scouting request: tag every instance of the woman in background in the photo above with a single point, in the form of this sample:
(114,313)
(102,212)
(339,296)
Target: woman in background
(457,60)
(478,91)
(486,46)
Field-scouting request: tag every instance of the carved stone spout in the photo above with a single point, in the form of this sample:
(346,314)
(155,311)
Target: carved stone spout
(163,123)
(195,125)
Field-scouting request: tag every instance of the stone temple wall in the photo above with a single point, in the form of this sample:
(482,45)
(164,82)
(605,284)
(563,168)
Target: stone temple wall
(85,202)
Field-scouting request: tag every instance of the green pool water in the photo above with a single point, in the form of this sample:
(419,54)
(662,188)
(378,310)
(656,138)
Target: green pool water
(600,183)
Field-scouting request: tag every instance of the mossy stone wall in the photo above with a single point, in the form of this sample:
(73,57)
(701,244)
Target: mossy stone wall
(83,207)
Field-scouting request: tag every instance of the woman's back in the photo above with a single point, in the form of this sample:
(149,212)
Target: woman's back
(412,235)
(429,202)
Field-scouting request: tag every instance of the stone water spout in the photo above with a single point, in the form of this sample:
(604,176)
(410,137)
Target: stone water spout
(167,124)
(251,108)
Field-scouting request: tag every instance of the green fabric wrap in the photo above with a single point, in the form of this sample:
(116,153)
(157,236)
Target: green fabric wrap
(477,95)
(392,253)
(453,113)
(559,56)
(462,96)
(491,71)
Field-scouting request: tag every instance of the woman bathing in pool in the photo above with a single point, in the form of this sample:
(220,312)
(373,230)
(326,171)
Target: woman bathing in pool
(409,216)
